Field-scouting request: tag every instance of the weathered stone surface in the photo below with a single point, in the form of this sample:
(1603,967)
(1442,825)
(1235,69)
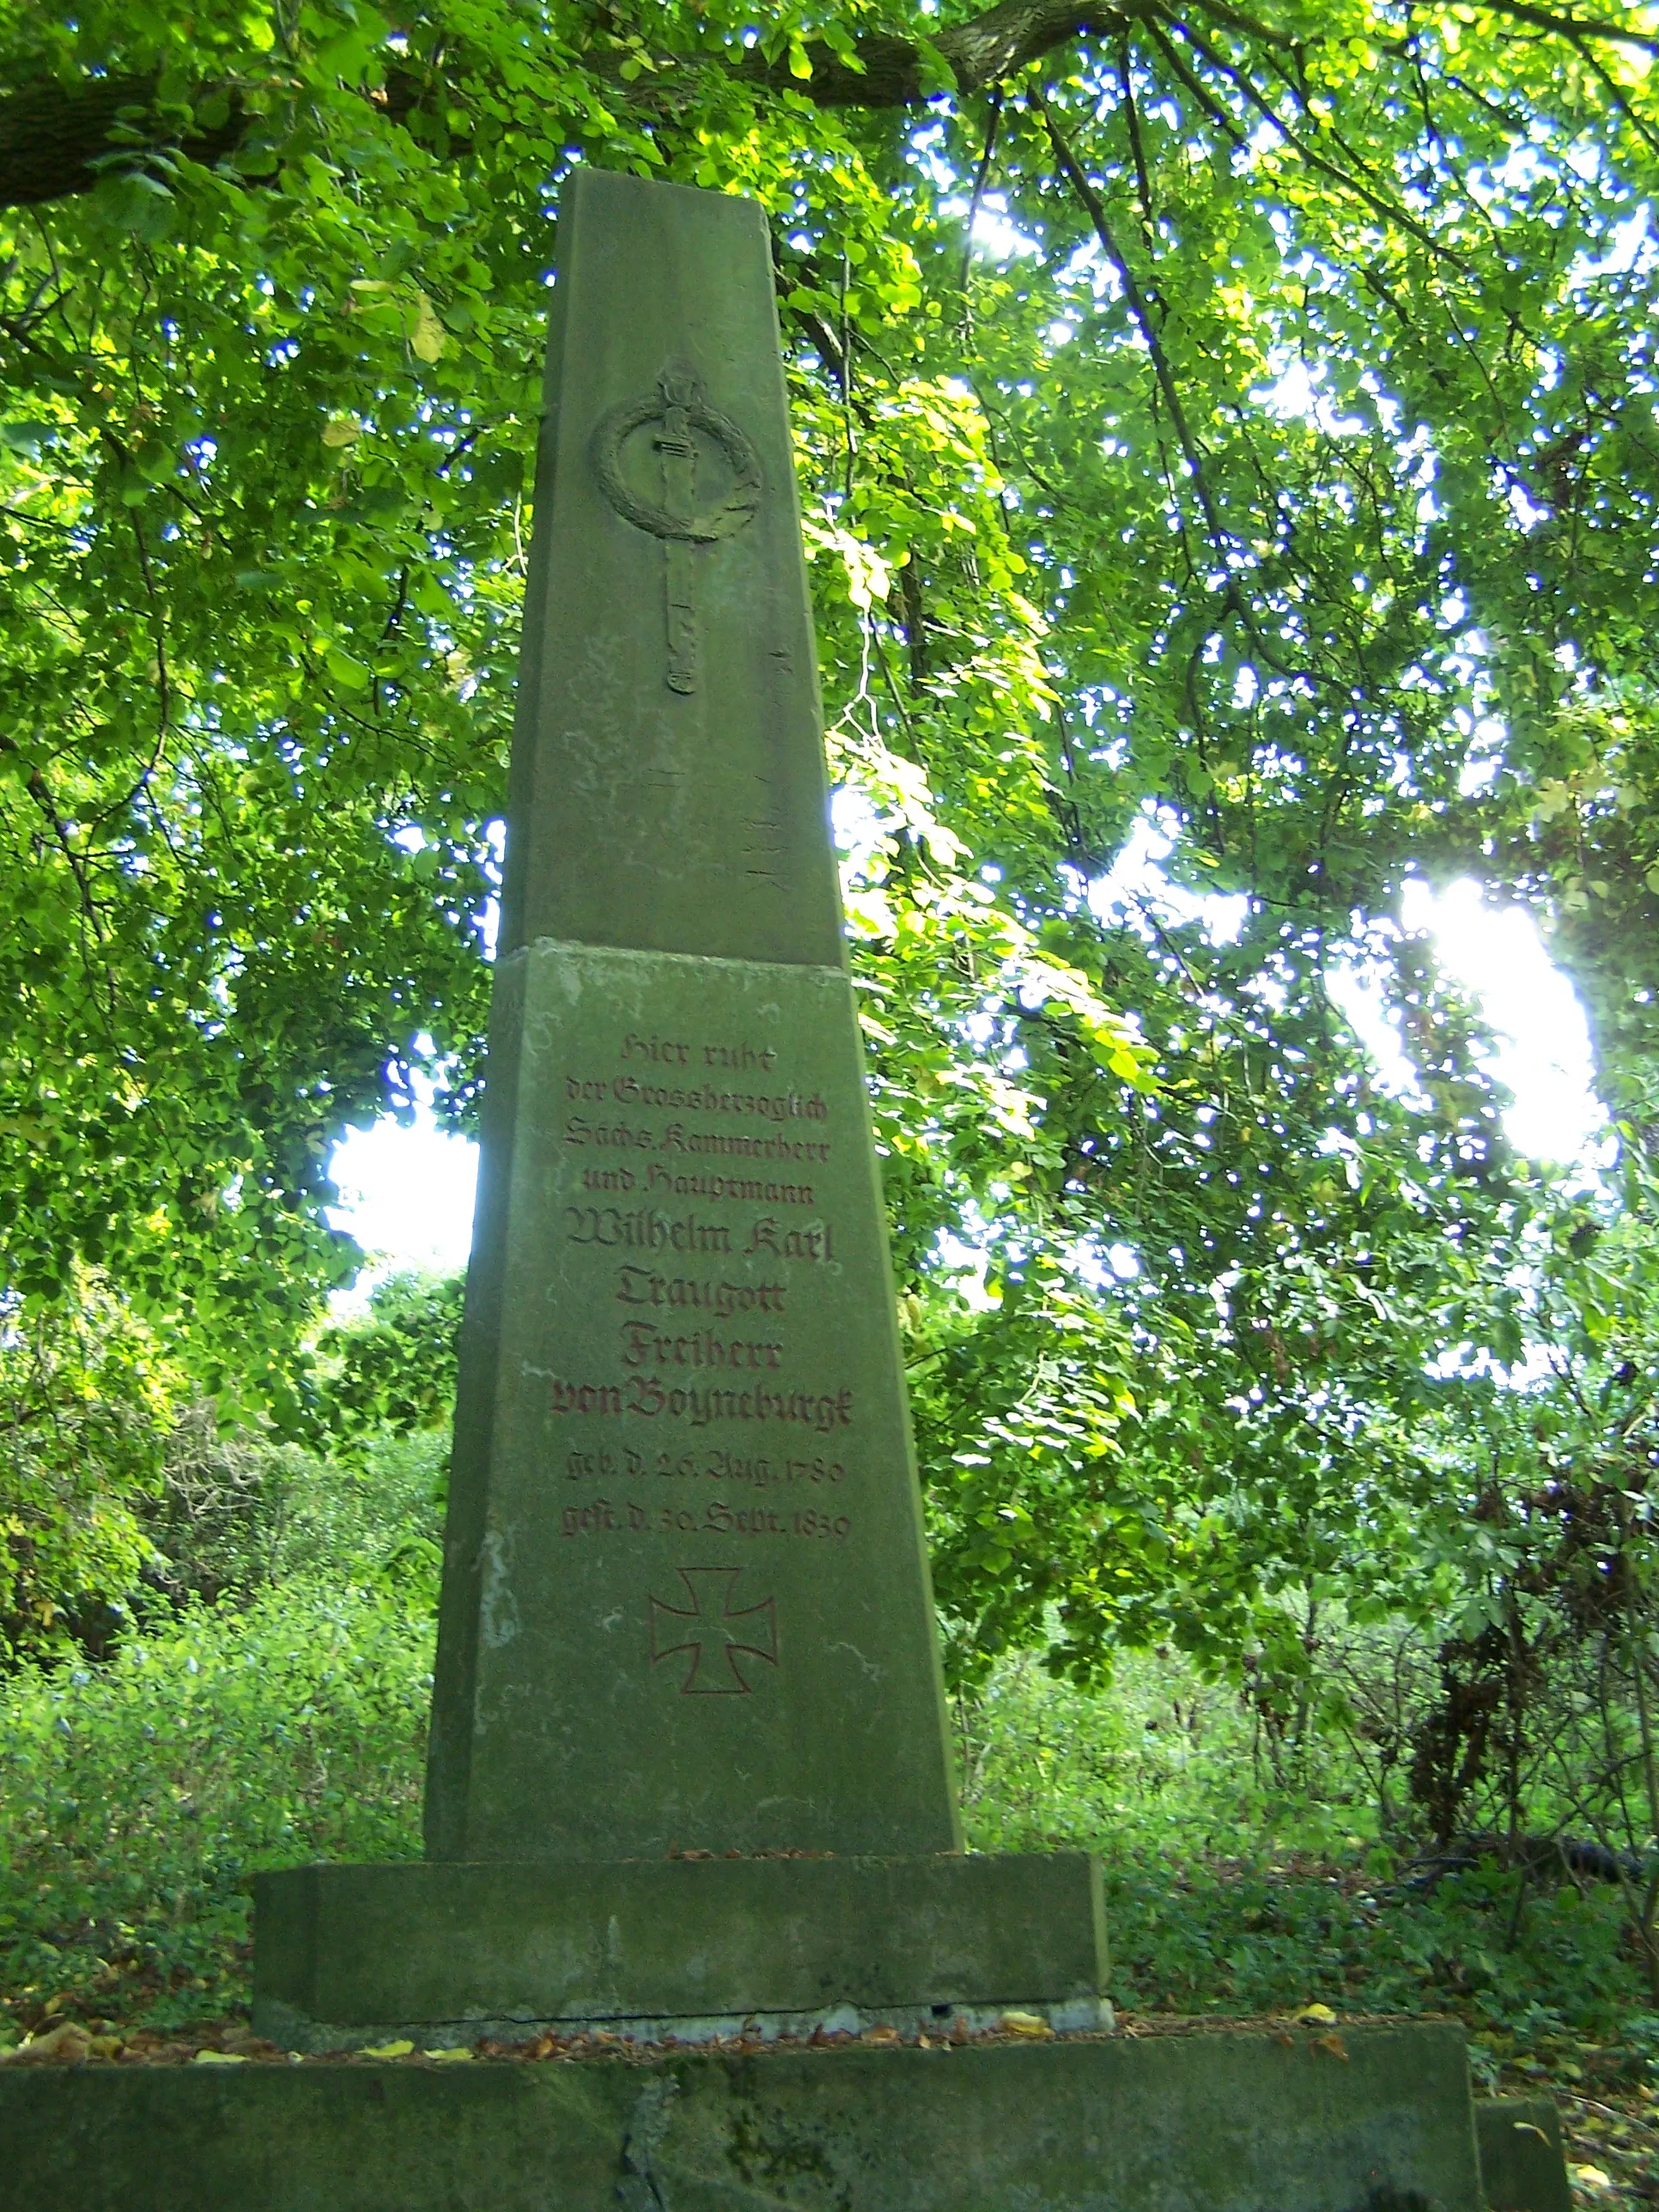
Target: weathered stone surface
(668,786)
(1237,2123)
(355,1953)
(686,1598)
(1522,2165)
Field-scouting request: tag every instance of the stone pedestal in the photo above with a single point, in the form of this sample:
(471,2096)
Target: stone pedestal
(1523,2167)
(1241,2122)
(688,1948)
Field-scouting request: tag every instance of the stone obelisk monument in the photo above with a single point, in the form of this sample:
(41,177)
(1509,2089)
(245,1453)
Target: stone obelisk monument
(689,1774)
(686,1601)
(689,1758)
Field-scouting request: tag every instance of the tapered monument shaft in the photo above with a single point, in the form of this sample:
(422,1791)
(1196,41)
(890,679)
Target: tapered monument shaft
(685,1596)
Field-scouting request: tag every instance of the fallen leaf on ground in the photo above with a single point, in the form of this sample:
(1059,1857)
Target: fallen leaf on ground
(65,2044)
(219,2058)
(400,2048)
(452,2054)
(1317,2014)
(1024,2023)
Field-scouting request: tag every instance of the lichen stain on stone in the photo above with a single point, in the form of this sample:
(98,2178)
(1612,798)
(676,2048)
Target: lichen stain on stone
(639,2189)
(768,2154)
(498,1608)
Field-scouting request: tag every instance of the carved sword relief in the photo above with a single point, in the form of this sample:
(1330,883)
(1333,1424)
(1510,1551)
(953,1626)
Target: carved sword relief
(679,409)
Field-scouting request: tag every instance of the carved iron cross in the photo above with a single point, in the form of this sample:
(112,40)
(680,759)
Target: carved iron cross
(715,1632)
(680,410)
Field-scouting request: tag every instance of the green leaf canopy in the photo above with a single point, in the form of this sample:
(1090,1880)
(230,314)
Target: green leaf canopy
(1235,426)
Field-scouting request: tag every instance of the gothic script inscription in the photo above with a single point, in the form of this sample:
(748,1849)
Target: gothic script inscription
(706,1405)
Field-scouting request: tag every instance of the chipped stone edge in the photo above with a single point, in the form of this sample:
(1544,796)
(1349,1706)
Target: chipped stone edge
(295,2031)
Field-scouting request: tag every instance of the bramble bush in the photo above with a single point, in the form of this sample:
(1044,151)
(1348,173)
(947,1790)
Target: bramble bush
(1239,1882)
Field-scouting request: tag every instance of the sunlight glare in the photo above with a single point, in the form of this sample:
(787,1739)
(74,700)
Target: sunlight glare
(406,1195)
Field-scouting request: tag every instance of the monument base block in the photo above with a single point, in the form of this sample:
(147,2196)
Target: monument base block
(1377,2118)
(1523,2167)
(349,1955)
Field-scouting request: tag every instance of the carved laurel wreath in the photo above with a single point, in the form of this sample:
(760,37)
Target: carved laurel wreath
(676,389)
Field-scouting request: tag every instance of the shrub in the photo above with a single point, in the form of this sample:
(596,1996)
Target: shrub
(136,1799)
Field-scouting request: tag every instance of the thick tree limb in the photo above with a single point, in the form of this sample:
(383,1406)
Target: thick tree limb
(983,53)
(53,136)
(50,132)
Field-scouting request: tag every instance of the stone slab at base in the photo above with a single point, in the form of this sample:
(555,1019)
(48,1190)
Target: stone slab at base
(1522,2165)
(1241,2121)
(345,1955)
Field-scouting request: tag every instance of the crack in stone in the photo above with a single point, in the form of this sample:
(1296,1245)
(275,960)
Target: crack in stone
(639,2189)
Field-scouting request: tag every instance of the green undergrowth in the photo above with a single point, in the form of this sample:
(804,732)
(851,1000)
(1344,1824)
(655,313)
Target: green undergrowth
(137,1799)
(283,1718)
(1237,1883)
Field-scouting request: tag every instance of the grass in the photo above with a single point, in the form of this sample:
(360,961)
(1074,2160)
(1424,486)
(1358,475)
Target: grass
(1235,1886)
(137,1799)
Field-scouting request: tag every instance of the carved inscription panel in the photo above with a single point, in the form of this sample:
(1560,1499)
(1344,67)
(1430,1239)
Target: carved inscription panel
(697,1174)
(704,1529)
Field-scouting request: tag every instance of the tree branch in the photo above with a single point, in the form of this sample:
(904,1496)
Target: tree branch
(1140,312)
(53,136)
(987,51)
(992,123)
(1575,28)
